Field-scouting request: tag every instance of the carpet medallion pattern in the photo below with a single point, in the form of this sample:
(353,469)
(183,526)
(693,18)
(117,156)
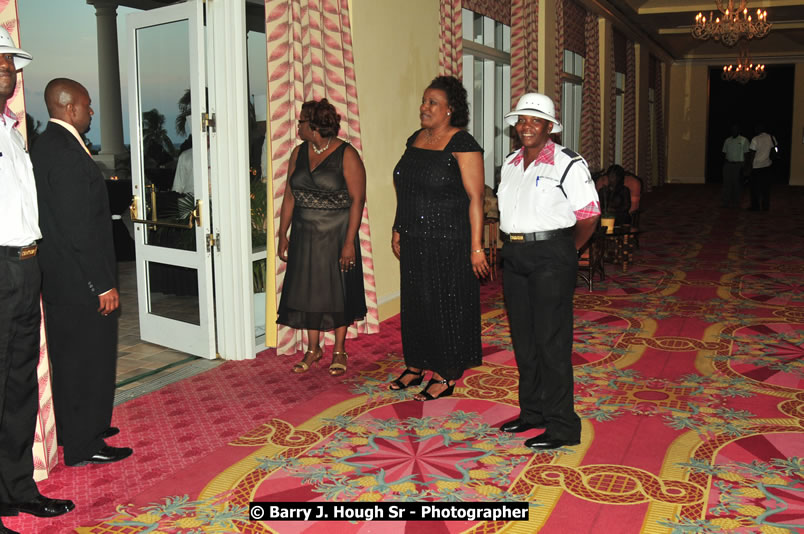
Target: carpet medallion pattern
(689,379)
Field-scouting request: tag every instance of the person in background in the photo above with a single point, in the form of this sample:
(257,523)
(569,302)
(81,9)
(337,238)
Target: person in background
(79,278)
(761,169)
(19,308)
(735,148)
(438,238)
(615,198)
(322,206)
(183,180)
(548,209)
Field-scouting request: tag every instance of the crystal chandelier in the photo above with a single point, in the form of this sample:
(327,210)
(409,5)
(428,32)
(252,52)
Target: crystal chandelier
(732,24)
(745,71)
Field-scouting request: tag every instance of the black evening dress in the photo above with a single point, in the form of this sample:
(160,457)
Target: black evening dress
(316,294)
(439,292)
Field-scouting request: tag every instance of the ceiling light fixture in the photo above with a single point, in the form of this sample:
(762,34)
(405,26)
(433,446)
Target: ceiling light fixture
(732,24)
(745,71)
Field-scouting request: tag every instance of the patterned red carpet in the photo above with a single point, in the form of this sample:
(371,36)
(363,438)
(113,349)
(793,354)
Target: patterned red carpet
(689,375)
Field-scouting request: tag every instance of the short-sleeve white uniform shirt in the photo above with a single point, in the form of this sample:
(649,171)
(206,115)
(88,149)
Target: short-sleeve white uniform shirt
(530,200)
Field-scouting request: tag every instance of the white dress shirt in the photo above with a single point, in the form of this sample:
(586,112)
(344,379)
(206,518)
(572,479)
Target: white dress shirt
(19,212)
(530,199)
(183,179)
(762,145)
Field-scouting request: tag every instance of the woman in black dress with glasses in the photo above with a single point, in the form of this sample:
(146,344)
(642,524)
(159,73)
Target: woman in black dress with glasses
(438,236)
(324,197)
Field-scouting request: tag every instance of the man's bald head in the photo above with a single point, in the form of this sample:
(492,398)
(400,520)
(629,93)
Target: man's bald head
(68,101)
(60,92)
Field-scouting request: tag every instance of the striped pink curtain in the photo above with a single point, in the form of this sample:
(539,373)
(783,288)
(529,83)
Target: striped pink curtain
(524,48)
(590,96)
(629,110)
(310,56)
(499,10)
(450,51)
(661,163)
(645,149)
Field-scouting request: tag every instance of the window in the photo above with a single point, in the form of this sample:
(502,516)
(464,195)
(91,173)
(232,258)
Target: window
(619,96)
(487,79)
(571,94)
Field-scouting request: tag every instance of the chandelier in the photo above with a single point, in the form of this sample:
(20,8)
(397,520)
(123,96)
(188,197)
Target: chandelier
(745,71)
(732,24)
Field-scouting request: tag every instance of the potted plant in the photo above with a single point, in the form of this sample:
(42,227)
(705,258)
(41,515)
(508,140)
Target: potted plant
(259,237)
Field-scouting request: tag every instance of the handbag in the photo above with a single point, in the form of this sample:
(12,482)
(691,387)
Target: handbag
(775,154)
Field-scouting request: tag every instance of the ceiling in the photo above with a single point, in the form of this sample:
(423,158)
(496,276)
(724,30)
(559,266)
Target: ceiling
(664,24)
(667,24)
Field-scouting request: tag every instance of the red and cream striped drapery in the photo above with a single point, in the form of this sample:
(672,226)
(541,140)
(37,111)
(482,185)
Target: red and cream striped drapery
(661,163)
(450,50)
(590,94)
(45,443)
(309,50)
(629,110)
(570,35)
(499,10)
(646,148)
(559,63)
(524,48)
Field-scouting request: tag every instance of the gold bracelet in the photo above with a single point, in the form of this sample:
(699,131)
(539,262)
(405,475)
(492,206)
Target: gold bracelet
(478,250)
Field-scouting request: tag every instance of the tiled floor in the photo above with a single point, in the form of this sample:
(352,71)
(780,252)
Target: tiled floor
(139,362)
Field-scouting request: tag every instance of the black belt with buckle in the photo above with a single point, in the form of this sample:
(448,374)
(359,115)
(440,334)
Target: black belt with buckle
(22,253)
(537,236)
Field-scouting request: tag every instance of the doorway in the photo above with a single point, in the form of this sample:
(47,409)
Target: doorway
(767,102)
(201,258)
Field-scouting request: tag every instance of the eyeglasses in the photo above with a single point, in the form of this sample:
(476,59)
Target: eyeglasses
(302,121)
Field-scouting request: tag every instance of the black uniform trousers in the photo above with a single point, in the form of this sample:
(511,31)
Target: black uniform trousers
(19,387)
(83,355)
(760,184)
(538,285)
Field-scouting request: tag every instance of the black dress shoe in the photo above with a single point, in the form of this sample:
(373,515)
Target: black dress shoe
(106,455)
(109,432)
(545,442)
(41,506)
(518,425)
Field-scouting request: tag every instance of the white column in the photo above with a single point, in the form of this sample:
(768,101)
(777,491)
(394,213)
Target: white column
(111,111)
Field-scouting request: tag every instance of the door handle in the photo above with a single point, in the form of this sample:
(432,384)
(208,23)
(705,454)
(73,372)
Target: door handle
(193,221)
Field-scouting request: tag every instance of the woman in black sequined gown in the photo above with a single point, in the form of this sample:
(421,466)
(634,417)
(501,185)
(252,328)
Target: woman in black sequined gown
(438,238)
(324,197)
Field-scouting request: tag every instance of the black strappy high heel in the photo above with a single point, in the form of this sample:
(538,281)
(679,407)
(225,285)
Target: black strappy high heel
(446,393)
(401,385)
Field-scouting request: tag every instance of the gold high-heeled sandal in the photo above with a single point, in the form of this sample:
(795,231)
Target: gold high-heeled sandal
(304,365)
(337,368)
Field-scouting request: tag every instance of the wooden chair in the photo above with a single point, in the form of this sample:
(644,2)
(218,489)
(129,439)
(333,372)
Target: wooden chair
(591,256)
(635,185)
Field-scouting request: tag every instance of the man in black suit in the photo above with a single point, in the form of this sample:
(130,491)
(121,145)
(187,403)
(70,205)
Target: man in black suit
(19,308)
(79,278)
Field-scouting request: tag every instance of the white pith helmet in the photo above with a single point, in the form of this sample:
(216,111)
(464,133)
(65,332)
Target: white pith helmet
(535,105)
(21,57)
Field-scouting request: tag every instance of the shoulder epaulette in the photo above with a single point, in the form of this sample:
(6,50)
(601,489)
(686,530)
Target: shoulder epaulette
(574,156)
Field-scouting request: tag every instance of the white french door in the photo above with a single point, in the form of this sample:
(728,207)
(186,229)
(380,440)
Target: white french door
(171,208)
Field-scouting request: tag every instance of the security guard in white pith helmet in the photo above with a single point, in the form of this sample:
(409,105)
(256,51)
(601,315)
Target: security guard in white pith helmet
(548,209)
(19,307)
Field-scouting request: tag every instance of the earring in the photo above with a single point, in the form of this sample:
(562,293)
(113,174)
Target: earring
(449,113)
